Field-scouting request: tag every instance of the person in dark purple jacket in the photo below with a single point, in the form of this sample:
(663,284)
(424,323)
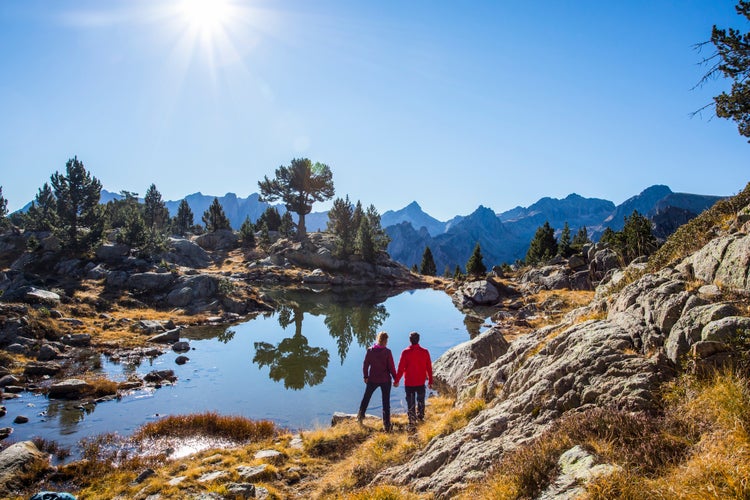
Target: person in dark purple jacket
(378,370)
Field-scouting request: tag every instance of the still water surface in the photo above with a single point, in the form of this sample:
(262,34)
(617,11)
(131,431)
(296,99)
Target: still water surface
(295,367)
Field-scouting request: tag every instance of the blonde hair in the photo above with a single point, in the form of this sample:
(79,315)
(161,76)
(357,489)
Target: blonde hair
(382,338)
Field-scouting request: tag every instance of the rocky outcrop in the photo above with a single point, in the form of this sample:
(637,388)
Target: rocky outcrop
(17,459)
(476,293)
(585,271)
(653,326)
(724,260)
(187,253)
(317,252)
(451,370)
(223,239)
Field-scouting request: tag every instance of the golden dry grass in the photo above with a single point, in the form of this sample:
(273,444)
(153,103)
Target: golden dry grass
(232,427)
(697,448)
(354,471)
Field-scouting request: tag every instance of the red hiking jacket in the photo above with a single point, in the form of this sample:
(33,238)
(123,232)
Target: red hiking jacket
(416,364)
(378,367)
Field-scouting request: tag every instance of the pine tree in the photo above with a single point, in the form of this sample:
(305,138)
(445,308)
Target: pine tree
(133,233)
(3,210)
(733,53)
(357,215)
(299,186)
(363,243)
(580,239)
(543,246)
(287,226)
(117,212)
(341,225)
(214,218)
(447,271)
(77,193)
(414,269)
(247,233)
(155,213)
(475,266)
(265,239)
(379,237)
(637,237)
(42,214)
(427,267)
(611,237)
(184,219)
(271,218)
(563,246)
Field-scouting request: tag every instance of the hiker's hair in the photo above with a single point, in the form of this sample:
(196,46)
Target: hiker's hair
(382,338)
(414,338)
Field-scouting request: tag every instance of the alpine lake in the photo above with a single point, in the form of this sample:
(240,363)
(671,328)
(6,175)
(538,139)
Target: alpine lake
(295,366)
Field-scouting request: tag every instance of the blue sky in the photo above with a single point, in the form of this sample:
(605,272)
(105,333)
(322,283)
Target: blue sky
(451,104)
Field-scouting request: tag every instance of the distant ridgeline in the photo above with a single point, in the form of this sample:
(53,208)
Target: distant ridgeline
(503,237)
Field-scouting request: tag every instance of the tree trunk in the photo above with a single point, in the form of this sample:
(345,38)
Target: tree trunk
(301,229)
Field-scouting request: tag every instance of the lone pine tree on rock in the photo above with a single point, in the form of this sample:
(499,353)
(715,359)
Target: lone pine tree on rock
(299,185)
(428,263)
(475,266)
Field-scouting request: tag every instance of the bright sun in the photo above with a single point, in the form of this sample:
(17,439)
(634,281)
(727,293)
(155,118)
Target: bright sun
(206,16)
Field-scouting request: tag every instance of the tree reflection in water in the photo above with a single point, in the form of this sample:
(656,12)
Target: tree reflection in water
(361,322)
(293,359)
(348,316)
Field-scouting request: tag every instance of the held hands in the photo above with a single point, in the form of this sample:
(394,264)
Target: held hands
(395,384)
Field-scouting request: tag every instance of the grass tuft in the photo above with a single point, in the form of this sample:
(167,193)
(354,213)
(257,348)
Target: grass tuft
(337,441)
(232,427)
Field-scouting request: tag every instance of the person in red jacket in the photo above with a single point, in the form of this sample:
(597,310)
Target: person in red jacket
(378,370)
(416,365)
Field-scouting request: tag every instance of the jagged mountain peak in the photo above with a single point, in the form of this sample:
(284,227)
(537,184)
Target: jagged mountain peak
(413,214)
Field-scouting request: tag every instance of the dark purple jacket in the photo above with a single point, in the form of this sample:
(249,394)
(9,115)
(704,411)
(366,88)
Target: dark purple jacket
(378,367)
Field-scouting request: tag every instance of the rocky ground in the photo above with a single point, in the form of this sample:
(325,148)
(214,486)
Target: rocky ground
(577,335)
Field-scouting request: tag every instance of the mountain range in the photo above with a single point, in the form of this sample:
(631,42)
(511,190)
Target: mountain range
(503,237)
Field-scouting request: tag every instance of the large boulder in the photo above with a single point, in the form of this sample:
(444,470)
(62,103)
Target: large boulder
(602,261)
(10,330)
(186,253)
(724,260)
(223,239)
(188,289)
(17,459)
(112,253)
(689,328)
(12,245)
(168,337)
(71,388)
(38,296)
(476,293)
(450,371)
(41,368)
(150,282)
